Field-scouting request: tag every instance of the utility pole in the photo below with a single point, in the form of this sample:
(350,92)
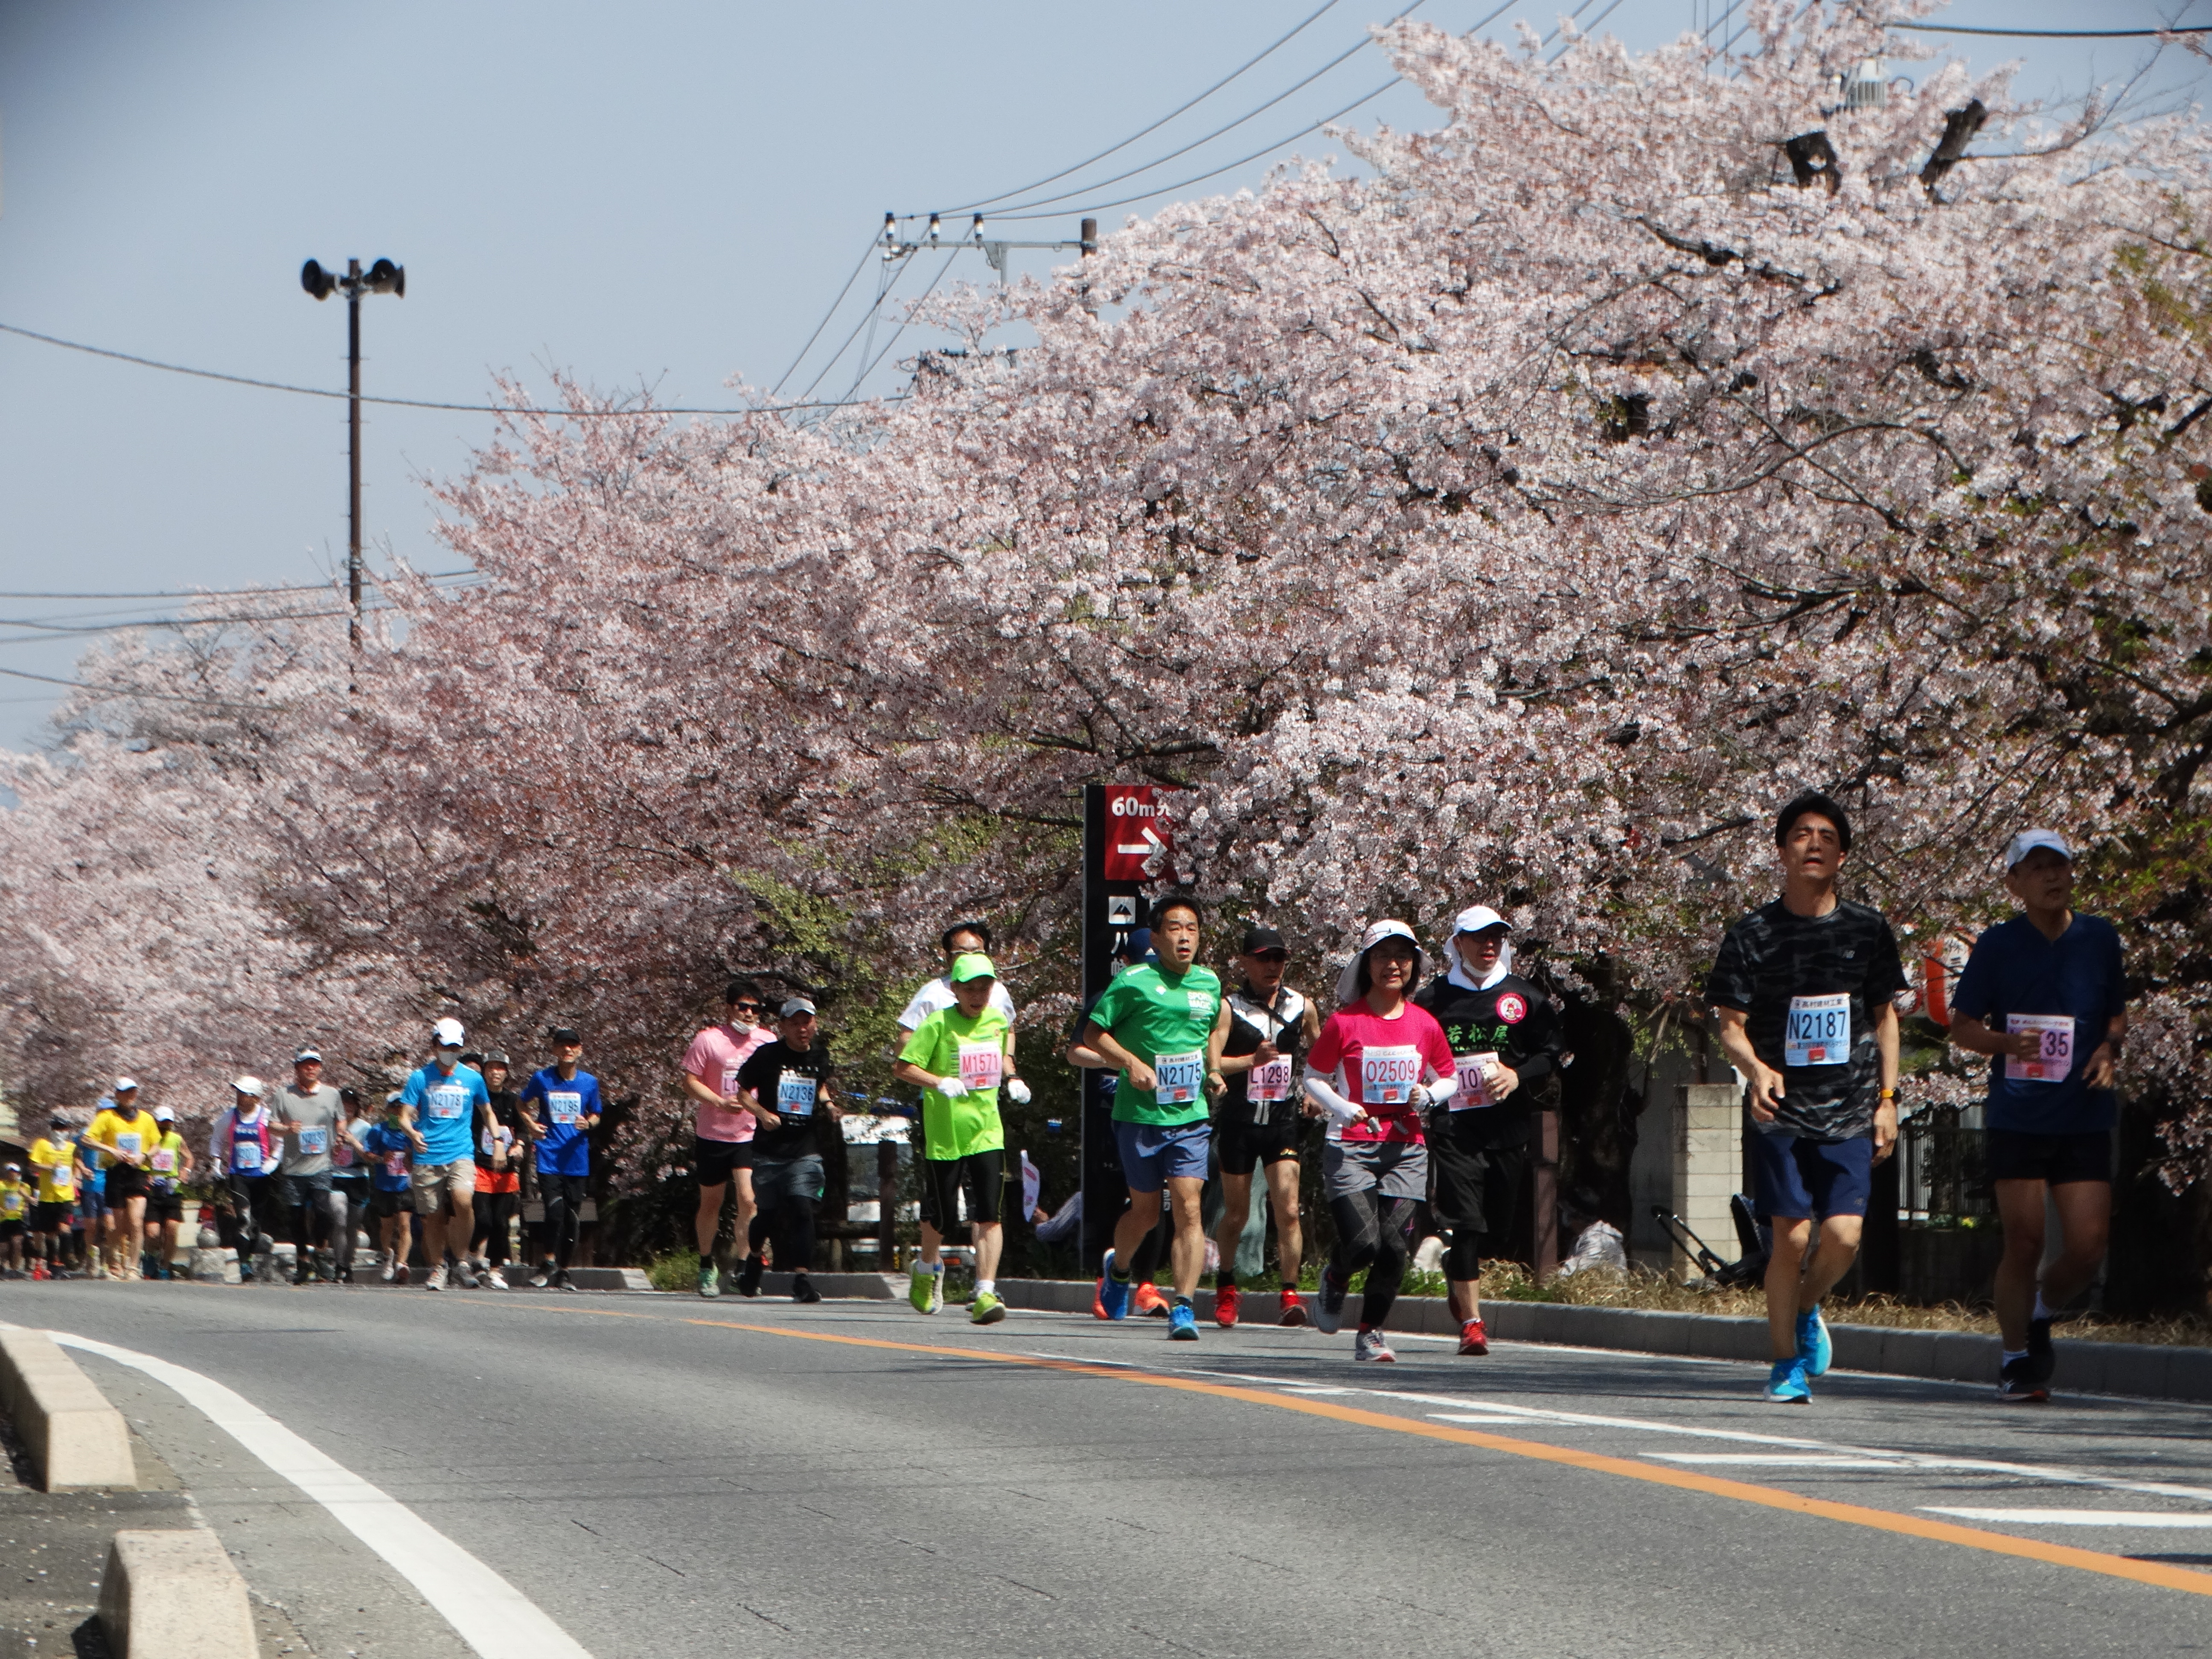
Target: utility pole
(382,277)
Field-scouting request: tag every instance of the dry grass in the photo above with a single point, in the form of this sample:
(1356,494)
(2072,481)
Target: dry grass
(1505,1281)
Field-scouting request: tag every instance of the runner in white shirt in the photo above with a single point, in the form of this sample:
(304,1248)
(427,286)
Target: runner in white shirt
(928,1289)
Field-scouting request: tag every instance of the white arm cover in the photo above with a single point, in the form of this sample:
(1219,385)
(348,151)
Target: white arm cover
(1438,1090)
(1338,1107)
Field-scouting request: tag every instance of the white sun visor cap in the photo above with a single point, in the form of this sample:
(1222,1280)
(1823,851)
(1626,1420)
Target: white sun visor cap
(448,1034)
(247,1085)
(1347,982)
(2028,840)
(1473,920)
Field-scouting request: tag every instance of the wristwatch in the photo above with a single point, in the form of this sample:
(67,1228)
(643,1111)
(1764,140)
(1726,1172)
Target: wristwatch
(1888,1094)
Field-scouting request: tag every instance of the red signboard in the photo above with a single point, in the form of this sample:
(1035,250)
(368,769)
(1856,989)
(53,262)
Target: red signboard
(1136,828)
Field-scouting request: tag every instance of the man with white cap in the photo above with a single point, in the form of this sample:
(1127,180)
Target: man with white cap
(1504,1035)
(2044,995)
(125,1135)
(785,1084)
(1379,1068)
(171,1166)
(242,1147)
(309,1113)
(441,1110)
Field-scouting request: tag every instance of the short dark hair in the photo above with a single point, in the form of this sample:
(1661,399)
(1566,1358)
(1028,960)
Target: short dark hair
(1813,801)
(1177,901)
(981,929)
(738,989)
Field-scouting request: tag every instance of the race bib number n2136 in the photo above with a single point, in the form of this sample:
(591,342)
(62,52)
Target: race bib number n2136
(794,1095)
(1818,1031)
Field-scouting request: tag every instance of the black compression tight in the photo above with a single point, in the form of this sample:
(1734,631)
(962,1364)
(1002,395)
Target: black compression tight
(1463,1256)
(1371,1232)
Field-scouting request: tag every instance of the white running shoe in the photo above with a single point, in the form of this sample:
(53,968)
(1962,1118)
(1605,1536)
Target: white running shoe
(435,1279)
(1372,1345)
(386,1261)
(488,1277)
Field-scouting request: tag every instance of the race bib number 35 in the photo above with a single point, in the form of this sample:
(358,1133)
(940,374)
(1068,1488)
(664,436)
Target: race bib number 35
(794,1095)
(1818,1031)
(2054,1049)
(1387,1076)
(981,1064)
(1178,1077)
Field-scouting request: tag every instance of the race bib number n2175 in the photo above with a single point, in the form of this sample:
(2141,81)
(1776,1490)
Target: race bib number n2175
(1818,1031)
(1178,1077)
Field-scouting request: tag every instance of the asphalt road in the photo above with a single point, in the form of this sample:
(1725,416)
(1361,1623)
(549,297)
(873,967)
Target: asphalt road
(666,1476)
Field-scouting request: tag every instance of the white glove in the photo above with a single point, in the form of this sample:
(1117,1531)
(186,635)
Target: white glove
(1340,1108)
(952,1088)
(1017,1092)
(1436,1092)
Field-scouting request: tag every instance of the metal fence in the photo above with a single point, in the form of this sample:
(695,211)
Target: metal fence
(1944,1175)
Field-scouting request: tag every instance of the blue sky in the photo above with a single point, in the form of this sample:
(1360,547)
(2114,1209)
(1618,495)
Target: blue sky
(662,195)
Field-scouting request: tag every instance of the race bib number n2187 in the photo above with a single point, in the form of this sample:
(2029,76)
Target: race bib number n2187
(1818,1031)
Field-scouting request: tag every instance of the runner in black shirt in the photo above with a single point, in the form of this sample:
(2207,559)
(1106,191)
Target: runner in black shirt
(1504,1035)
(1270,1026)
(502,1147)
(786,1084)
(1802,988)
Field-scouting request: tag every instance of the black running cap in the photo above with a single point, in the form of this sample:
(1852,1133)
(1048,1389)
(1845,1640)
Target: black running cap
(1257,940)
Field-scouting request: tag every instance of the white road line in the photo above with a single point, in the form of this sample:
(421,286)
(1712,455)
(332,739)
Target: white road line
(2162,1518)
(1782,1461)
(494,1618)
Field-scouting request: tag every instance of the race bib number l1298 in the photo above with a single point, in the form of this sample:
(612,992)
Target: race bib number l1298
(1818,1031)
(1271,1082)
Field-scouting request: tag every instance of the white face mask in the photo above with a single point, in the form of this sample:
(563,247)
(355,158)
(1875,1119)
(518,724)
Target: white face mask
(449,1058)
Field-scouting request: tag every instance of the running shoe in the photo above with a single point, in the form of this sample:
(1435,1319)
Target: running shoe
(385,1265)
(1373,1344)
(1098,1299)
(1328,1309)
(1113,1294)
(1225,1307)
(100,1269)
(802,1289)
(399,1275)
(749,1277)
(463,1275)
(710,1280)
(1183,1323)
(435,1279)
(2017,1384)
(986,1309)
(925,1289)
(1473,1338)
(491,1280)
(1814,1346)
(1149,1301)
(1294,1310)
(541,1278)
(2042,1358)
(563,1282)
(1785,1384)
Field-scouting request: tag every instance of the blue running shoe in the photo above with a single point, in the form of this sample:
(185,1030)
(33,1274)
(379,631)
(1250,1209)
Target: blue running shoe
(1785,1385)
(1113,1294)
(1812,1345)
(1183,1323)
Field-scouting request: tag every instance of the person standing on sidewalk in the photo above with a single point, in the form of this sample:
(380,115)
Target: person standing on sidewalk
(443,1108)
(501,1145)
(14,1217)
(1270,1026)
(959,1058)
(308,1113)
(564,1106)
(1159,1027)
(1504,1035)
(796,1072)
(2044,995)
(1803,988)
(170,1168)
(722,1129)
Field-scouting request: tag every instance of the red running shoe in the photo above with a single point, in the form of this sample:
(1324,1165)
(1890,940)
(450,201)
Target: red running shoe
(1150,1302)
(1473,1338)
(1098,1298)
(1294,1311)
(1225,1306)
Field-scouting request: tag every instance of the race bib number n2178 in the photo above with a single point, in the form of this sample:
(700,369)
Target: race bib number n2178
(1818,1031)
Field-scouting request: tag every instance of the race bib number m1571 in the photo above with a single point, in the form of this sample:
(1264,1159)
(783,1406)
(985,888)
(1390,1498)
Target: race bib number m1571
(981,1064)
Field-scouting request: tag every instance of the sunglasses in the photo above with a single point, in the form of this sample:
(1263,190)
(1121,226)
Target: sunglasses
(750,1007)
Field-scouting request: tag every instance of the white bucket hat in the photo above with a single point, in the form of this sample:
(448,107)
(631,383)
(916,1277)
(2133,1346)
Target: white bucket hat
(1473,920)
(1347,982)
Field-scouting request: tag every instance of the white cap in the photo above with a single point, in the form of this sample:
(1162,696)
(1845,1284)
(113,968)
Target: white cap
(796,1006)
(447,1034)
(2028,840)
(1347,982)
(308,1053)
(163,1114)
(247,1085)
(1477,917)
(124,1085)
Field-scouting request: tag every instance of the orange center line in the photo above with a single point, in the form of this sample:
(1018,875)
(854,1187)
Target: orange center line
(1774,1497)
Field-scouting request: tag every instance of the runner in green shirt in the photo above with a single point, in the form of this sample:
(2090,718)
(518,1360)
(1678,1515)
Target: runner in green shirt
(958,1057)
(1156,1026)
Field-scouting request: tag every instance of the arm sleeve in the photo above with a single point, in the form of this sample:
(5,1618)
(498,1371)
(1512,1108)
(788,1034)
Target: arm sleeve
(1330,1100)
(1970,995)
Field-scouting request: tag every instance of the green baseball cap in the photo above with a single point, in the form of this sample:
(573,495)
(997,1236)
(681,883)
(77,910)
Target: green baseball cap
(974,965)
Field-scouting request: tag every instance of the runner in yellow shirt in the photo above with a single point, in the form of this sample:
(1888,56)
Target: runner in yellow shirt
(126,1137)
(53,1155)
(14,1217)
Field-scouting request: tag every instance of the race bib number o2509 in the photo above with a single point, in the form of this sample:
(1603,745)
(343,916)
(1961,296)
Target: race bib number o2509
(1387,1076)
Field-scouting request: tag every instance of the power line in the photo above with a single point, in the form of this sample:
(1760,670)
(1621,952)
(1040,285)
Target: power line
(826,316)
(392,403)
(223,593)
(1051,178)
(164,696)
(950,254)
(2058,35)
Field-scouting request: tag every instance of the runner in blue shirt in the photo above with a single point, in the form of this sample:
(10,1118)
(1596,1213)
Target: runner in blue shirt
(443,1108)
(2044,995)
(565,1103)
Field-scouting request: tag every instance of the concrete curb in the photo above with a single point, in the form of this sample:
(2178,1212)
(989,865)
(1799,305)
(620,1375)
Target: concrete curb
(2141,1370)
(77,1440)
(174,1595)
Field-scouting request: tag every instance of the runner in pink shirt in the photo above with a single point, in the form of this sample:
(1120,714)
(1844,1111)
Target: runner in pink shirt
(1379,1066)
(723,1130)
